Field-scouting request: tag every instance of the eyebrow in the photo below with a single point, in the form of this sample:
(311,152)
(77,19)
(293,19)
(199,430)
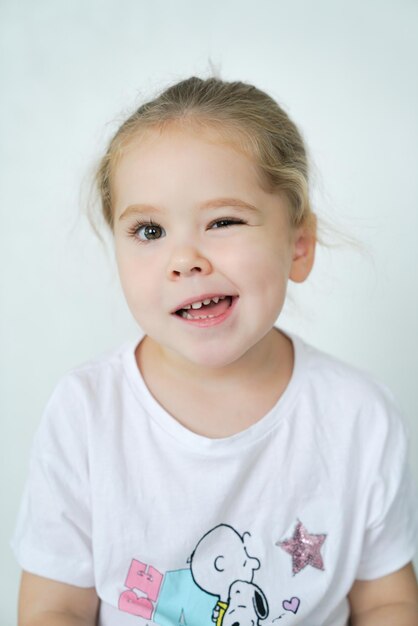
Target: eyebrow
(210,204)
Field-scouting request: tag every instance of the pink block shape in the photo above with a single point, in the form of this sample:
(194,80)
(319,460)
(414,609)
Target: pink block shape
(145,578)
(130,603)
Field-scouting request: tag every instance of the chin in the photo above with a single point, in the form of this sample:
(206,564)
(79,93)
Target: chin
(214,357)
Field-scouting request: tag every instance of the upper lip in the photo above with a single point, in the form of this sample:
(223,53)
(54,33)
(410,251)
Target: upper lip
(205,296)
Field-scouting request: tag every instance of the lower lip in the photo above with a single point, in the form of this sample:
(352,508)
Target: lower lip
(211,321)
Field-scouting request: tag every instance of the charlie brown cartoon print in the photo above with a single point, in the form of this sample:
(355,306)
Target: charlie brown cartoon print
(221,565)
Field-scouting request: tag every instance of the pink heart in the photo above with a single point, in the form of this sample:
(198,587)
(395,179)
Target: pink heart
(291,605)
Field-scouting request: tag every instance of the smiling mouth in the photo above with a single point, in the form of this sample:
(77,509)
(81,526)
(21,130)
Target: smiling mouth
(199,310)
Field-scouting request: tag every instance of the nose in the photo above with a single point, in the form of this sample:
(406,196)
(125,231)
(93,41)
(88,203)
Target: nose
(255,563)
(187,261)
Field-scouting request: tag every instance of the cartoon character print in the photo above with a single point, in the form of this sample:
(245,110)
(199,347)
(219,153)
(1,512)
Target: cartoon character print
(218,584)
(220,565)
(247,604)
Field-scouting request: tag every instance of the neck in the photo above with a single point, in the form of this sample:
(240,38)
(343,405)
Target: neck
(271,355)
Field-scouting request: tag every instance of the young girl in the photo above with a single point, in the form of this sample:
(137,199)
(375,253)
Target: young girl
(218,470)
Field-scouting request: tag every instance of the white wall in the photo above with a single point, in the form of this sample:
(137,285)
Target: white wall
(346,72)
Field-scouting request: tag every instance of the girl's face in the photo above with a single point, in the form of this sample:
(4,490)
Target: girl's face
(192,223)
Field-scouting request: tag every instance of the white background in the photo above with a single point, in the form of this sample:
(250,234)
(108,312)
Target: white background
(70,71)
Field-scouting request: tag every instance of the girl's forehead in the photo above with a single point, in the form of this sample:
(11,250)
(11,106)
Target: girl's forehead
(177,151)
(158,137)
(178,164)
(173,150)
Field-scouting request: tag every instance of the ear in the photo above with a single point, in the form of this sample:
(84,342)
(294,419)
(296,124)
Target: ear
(260,603)
(304,243)
(219,564)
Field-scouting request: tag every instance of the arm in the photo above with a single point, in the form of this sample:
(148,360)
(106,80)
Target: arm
(45,602)
(386,601)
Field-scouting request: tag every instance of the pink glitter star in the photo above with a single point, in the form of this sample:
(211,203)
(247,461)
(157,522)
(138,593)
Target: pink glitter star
(303,548)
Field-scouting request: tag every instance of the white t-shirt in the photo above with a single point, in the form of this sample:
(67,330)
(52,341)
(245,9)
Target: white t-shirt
(272,524)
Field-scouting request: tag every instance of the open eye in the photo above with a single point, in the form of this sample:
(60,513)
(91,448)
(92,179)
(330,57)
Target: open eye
(146,231)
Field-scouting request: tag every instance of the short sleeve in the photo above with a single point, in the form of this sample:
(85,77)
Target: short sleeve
(390,540)
(53,533)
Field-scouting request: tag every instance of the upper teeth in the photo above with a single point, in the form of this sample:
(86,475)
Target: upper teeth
(198,305)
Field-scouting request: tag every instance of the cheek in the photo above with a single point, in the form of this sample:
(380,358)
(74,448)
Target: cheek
(136,277)
(265,269)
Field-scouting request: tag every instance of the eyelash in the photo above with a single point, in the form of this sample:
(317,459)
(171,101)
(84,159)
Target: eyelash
(133,231)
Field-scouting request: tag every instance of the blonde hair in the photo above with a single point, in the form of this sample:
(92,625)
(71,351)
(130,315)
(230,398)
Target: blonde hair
(242,115)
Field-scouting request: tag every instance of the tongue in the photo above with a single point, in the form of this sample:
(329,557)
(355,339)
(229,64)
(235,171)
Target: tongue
(211,309)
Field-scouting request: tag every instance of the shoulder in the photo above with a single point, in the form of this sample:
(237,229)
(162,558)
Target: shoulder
(89,392)
(348,396)
(98,375)
(340,379)
(355,425)
(341,375)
